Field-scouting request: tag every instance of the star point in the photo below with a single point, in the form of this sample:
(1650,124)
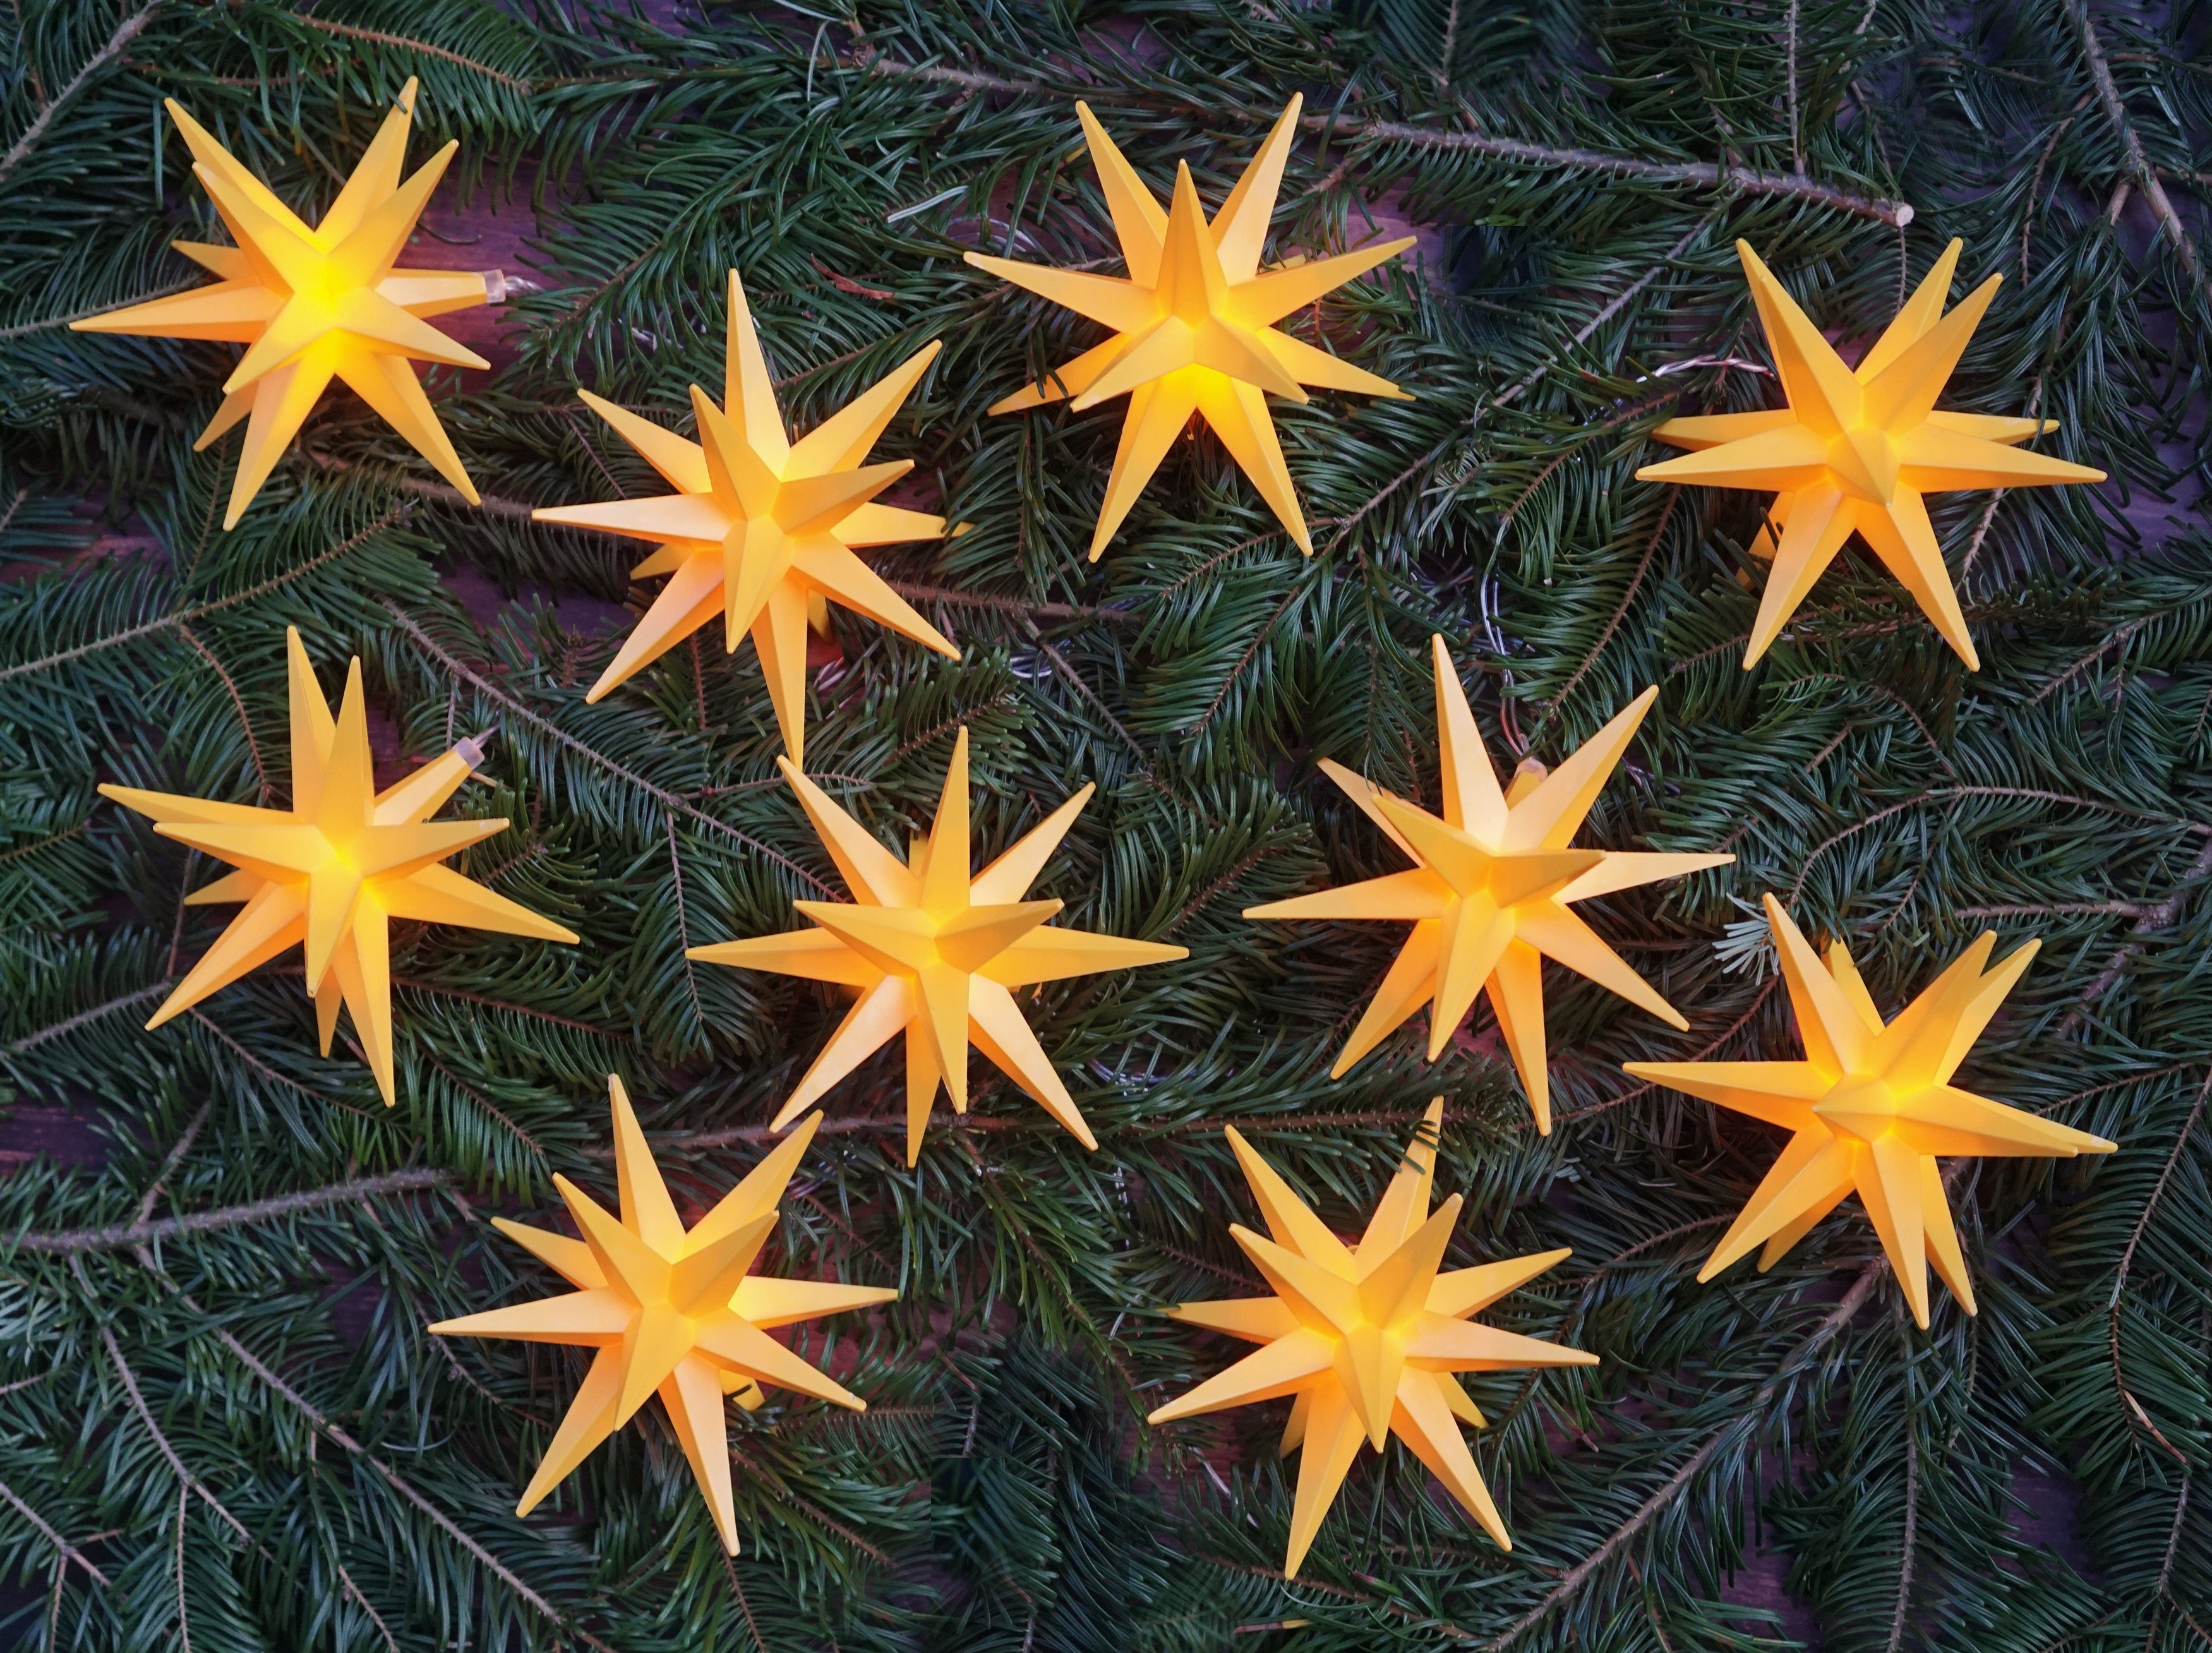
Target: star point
(1859,449)
(761,529)
(330,872)
(1490,893)
(1366,1338)
(313,304)
(670,1311)
(1870,1108)
(935,952)
(1194,325)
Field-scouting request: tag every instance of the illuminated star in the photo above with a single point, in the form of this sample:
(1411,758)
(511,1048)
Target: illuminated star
(1870,1109)
(1490,892)
(933,952)
(1194,325)
(671,1312)
(334,870)
(1858,448)
(1366,1337)
(760,526)
(315,304)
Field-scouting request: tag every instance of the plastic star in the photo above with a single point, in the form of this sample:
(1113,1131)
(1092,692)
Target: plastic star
(1859,447)
(1490,892)
(1194,325)
(1871,1107)
(334,869)
(1367,1337)
(314,304)
(935,952)
(759,524)
(671,1312)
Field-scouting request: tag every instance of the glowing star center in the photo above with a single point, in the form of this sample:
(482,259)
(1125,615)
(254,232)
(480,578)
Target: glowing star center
(1863,1106)
(1865,462)
(915,940)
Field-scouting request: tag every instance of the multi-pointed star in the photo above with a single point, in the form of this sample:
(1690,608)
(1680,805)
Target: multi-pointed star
(1366,1337)
(935,952)
(1489,892)
(1194,325)
(671,1312)
(760,525)
(315,304)
(1860,447)
(1870,1109)
(334,869)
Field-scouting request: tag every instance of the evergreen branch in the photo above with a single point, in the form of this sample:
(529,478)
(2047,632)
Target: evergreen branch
(24,329)
(1732,178)
(2145,176)
(32,1041)
(1619,613)
(424,48)
(125,32)
(123,1236)
(2154,920)
(668,800)
(238,704)
(200,611)
(186,1481)
(68,1551)
(1732,1433)
(392,1478)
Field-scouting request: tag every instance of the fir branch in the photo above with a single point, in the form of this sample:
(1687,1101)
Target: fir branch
(668,800)
(123,1236)
(125,32)
(1732,178)
(69,1554)
(1727,1437)
(2144,177)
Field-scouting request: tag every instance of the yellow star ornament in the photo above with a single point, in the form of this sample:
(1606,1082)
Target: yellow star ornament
(1870,1108)
(1194,325)
(315,304)
(1490,890)
(1366,1337)
(760,526)
(935,953)
(334,870)
(671,1312)
(1860,447)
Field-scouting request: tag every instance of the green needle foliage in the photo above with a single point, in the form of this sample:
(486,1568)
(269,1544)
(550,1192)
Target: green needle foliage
(222,1423)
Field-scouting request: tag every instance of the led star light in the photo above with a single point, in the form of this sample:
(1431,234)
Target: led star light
(1194,325)
(671,1312)
(760,525)
(1366,1337)
(334,870)
(934,953)
(312,305)
(1860,447)
(1870,1108)
(1490,890)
